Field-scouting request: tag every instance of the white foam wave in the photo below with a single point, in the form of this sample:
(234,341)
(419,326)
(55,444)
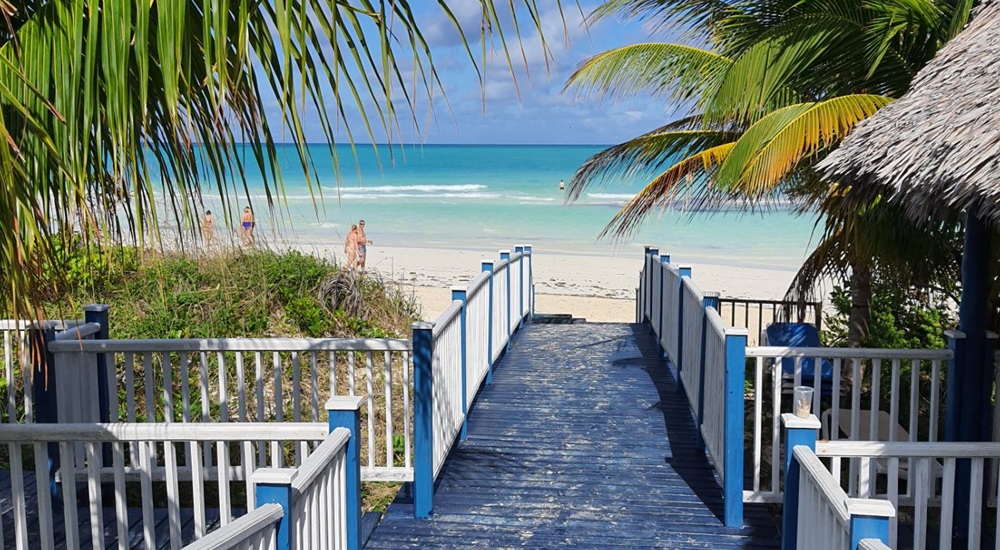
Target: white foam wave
(394,189)
(611,196)
(378,196)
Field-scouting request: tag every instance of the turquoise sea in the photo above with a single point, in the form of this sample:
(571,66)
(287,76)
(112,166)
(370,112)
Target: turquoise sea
(476,196)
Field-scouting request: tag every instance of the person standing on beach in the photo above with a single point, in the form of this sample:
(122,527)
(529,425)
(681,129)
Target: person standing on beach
(363,243)
(206,229)
(247,227)
(351,246)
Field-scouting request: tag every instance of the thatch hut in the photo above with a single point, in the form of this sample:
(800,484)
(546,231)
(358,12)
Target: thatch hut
(936,150)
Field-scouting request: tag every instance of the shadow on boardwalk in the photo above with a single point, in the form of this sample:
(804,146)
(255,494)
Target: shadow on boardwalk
(581,441)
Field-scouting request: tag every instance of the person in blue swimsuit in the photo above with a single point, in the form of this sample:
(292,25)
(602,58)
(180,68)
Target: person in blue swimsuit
(246,235)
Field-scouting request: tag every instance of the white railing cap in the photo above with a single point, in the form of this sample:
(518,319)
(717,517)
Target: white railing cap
(96,307)
(737,332)
(507,251)
(870,507)
(793,422)
(990,335)
(422,325)
(954,334)
(344,403)
(458,288)
(683,266)
(273,476)
(711,294)
(486,261)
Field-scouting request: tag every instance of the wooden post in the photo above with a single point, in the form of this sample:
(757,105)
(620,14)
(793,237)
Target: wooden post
(423,419)
(664,262)
(99,313)
(732,491)
(798,432)
(487,265)
(869,520)
(458,293)
(43,383)
(647,281)
(345,412)
(709,299)
(274,485)
(505,255)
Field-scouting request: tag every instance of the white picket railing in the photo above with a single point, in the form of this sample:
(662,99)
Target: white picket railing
(248,380)
(184,456)
(712,427)
(656,295)
(694,319)
(17,391)
(257,530)
(501,321)
(318,508)
(477,332)
(514,320)
(916,397)
(446,368)
(824,509)
(670,337)
(928,471)
(647,273)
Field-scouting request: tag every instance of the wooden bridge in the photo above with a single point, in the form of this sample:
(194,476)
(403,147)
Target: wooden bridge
(582,440)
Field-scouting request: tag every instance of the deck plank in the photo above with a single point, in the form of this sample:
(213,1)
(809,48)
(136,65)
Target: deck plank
(582,440)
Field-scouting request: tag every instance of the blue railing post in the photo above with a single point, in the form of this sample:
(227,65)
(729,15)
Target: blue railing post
(423,419)
(520,297)
(275,487)
(732,492)
(487,266)
(952,427)
(799,432)
(43,383)
(869,520)
(505,255)
(709,299)
(99,313)
(684,272)
(531,282)
(986,395)
(458,293)
(345,412)
(654,253)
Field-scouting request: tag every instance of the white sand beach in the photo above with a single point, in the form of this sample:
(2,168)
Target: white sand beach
(594,287)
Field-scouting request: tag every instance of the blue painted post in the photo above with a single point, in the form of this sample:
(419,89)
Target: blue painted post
(865,526)
(345,412)
(685,272)
(531,282)
(43,383)
(423,420)
(277,489)
(520,297)
(505,255)
(732,492)
(99,313)
(953,394)
(488,267)
(986,421)
(709,299)
(459,293)
(799,432)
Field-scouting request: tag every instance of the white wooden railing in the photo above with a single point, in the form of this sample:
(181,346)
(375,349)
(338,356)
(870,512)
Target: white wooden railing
(17,393)
(693,318)
(317,507)
(477,318)
(500,320)
(447,373)
(905,400)
(257,530)
(248,380)
(514,269)
(928,473)
(669,335)
(131,457)
(824,510)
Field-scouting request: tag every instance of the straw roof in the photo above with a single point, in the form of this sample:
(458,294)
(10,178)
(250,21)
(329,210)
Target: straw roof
(938,146)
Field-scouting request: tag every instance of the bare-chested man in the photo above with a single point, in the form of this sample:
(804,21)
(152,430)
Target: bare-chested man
(363,243)
(246,225)
(351,246)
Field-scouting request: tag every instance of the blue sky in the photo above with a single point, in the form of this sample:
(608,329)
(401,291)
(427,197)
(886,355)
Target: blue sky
(534,110)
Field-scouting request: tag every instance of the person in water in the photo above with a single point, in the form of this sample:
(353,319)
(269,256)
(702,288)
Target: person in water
(351,246)
(247,227)
(362,245)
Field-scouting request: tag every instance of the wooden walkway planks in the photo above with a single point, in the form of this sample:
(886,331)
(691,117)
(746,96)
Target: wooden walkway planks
(582,441)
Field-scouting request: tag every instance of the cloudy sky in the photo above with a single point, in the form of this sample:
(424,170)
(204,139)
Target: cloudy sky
(534,110)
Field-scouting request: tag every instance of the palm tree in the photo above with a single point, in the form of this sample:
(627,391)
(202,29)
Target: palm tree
(778,84)
(108,103)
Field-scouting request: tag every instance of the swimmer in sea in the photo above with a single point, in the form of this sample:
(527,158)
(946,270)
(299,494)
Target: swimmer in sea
(247,227)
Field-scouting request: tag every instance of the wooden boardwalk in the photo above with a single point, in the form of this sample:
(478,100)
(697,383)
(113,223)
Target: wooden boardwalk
(581,441)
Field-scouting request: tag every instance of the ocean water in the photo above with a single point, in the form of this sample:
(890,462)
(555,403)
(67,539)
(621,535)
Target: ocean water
(474,196)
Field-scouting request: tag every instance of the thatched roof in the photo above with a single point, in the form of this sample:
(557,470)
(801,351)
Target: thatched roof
(938,146)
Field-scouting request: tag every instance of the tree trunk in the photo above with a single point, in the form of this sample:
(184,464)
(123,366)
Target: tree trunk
(861,298)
